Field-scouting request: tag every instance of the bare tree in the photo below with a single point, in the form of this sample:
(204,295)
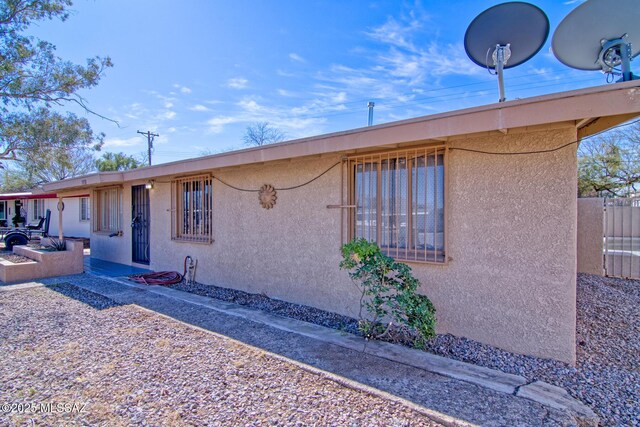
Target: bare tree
(262,133)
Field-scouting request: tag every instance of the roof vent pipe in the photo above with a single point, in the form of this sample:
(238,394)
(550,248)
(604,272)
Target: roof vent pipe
(371,105)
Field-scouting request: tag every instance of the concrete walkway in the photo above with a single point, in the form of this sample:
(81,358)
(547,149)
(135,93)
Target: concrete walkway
(452,392)
(110,269)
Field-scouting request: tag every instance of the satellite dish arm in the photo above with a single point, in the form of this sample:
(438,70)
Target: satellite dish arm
(500,60)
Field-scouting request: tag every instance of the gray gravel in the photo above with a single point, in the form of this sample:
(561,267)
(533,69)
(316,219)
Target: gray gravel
(10,256)
(606,376)
(123,365)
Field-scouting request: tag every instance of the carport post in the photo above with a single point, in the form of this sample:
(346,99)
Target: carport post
(60,209)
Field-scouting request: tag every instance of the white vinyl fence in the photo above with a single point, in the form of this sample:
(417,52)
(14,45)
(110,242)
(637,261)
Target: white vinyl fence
(622,237)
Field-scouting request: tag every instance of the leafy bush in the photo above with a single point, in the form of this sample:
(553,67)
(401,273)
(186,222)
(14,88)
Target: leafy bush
(57,244)
(388,292)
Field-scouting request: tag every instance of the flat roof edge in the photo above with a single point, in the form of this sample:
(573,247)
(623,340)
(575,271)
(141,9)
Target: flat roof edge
(599,101)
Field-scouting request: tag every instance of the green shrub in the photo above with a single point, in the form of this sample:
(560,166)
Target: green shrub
(388,292)
(57,244)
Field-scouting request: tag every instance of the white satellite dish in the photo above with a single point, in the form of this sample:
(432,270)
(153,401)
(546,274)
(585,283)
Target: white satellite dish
(600,35)
(506,35)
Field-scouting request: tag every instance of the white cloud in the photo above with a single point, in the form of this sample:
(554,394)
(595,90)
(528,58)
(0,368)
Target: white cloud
(216,124)
(249,105)
(395,33)
(123,142)
(237,83)
(296,58)
(286,93)
(199,107)
(283,73)
(182,89)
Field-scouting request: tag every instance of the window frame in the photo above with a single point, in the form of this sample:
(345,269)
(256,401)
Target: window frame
(4,214)
(37,207)
(196,226)
(98,221)
(408,253)
(83,218)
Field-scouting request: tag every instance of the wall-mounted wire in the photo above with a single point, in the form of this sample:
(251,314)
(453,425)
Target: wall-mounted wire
(248,190)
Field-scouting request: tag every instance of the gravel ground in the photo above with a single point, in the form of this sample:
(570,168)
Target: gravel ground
(116,364)
(607,373)
(10,256)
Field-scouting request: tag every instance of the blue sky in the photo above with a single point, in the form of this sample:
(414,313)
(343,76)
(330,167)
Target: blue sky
(198,72)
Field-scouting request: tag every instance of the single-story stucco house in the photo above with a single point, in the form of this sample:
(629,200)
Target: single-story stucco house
(481,203)
(32,205)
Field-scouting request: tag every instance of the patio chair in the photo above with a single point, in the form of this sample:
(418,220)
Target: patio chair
(36,226)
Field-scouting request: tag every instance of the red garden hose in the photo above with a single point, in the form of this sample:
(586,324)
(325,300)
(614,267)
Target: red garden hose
(157,278)
(163,278)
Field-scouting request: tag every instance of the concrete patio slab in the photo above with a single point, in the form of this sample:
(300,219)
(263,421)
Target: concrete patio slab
(110,269)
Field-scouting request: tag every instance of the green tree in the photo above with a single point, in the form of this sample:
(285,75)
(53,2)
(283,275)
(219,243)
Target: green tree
(117,162)
(31,75)
(609,164)
(52,147)
(15,181)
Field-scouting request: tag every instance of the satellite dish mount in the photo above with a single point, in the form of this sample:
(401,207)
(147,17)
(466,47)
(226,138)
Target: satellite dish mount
(614,52)
(500,57)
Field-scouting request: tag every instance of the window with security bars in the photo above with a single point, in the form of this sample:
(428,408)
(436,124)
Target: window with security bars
(108,203)
(84,209)
(399,202)
(192,201)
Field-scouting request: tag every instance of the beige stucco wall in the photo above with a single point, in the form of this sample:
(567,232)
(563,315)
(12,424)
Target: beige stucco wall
(510,281)
(590,235)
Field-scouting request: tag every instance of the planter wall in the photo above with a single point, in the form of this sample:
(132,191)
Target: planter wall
(45,263)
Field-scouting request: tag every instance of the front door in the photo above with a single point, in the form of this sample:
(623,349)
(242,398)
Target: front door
(140,224)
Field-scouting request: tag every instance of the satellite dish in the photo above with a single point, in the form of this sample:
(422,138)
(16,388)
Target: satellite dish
(599,35)
(506,35)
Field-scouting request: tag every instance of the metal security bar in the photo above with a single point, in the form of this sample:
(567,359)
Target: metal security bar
(107,209)
(140,224)
(622,237)
(399,200)
(191,205)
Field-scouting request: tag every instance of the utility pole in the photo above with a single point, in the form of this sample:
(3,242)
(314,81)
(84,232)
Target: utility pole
(150,137)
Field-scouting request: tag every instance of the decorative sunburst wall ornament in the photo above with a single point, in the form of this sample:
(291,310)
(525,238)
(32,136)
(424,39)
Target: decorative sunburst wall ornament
(267,196)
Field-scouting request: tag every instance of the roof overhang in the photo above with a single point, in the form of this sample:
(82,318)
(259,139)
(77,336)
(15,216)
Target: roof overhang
(27,196)
(588,111)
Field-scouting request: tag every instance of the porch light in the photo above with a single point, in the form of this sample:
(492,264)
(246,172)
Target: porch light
(149,184)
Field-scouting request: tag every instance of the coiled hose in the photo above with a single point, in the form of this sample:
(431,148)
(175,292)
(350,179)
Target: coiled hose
(157,278)
(162,278)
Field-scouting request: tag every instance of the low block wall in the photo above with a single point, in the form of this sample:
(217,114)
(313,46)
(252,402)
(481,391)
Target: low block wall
(590,238)
(45,264)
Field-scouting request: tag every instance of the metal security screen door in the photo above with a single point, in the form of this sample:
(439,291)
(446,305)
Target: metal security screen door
(140,224)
